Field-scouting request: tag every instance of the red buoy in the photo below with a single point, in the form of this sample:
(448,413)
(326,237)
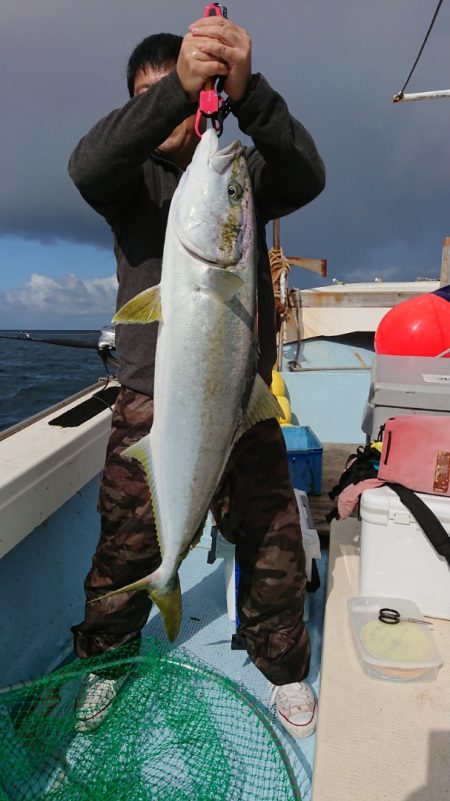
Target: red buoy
(416,327)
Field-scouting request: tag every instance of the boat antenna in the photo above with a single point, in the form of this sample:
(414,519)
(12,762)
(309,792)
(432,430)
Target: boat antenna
(419,96)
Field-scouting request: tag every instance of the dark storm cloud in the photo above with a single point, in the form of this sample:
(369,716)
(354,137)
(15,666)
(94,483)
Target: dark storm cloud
(386,206)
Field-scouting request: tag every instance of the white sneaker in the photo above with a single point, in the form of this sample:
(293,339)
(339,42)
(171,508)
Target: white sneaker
(296,707)
(95,700)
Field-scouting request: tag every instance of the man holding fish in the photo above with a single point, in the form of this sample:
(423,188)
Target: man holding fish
(194,423)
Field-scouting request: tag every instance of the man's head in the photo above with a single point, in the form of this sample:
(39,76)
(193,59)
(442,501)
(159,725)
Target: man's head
(159,51)
(150,61)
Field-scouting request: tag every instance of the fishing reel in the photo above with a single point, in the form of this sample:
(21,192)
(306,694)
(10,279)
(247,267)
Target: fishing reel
(106,348)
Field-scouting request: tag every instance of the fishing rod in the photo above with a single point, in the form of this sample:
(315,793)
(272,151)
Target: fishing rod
(70,343)
(105,346)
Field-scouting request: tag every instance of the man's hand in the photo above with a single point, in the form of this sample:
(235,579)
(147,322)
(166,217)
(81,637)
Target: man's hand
(215,46)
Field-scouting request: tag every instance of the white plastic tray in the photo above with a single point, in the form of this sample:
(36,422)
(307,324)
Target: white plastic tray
(389,664)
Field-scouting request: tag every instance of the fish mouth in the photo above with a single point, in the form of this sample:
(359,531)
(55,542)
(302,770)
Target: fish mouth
(220,160)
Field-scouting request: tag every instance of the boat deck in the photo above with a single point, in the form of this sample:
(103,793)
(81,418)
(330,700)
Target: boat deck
(334,458)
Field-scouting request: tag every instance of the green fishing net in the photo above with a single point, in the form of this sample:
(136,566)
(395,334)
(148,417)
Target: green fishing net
(176,731)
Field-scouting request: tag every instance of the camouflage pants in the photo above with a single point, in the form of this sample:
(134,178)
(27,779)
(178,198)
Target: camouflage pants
(254,507)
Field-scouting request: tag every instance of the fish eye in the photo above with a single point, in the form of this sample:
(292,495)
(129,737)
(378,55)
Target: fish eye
(234,191)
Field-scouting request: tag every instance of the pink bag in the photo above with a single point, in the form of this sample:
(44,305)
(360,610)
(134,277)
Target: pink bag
(416,453)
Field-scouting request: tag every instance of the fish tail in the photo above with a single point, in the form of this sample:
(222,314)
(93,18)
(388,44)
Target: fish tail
(169,605)
(168,601)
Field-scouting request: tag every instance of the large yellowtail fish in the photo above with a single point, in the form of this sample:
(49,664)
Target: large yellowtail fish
(207,391)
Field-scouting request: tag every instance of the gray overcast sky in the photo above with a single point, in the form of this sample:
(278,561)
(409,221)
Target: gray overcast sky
(386,207)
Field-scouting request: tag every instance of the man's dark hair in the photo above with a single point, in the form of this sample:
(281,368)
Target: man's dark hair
(159,50)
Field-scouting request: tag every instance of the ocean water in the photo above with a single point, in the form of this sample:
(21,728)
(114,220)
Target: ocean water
(35,375)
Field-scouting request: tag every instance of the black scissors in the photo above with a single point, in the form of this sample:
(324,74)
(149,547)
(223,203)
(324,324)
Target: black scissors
(392,617)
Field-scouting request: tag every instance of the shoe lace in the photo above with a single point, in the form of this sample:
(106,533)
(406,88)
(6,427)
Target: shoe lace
(99,688)
(291,696)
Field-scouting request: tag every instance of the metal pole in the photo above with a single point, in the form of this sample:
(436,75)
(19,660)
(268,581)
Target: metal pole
(422,95)
(276,234)
(276,246)
(445,263)
(280,347)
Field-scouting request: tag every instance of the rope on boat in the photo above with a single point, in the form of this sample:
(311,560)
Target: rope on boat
(279,267)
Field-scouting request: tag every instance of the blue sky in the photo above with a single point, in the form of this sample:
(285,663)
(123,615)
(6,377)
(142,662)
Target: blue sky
(58,284)
(386,207)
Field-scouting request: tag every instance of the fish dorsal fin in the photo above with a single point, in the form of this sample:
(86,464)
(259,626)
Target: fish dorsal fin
(143,308)
(262,405)
(142,451)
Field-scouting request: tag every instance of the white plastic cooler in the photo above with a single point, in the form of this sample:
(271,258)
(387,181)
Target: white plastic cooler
(397,559)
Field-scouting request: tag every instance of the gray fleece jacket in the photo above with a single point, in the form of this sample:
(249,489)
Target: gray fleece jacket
(118,173)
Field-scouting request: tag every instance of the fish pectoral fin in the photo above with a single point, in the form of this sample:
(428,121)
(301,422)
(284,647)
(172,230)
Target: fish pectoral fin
(262,405)
(169,604)
(143,308)
(221,283)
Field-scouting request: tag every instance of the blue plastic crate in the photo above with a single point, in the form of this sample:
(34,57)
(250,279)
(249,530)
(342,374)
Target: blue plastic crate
(305,458)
